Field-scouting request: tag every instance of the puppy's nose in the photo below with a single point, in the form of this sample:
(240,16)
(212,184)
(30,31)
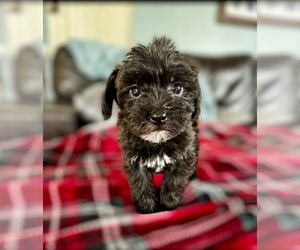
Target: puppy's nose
(158,117)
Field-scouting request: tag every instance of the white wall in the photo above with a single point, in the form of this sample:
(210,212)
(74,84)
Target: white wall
(194,27)
(278,39)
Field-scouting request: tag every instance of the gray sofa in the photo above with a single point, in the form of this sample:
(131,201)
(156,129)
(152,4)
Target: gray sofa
(23,117)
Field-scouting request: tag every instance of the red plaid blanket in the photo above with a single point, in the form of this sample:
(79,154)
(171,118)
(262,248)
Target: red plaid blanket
(278,188)
(21,189)
(87,202)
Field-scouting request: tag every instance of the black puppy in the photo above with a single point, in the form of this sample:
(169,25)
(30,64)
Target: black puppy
(157,90)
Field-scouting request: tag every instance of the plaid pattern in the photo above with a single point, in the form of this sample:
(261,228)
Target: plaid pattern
(21,185)
(87,202)
(278,188)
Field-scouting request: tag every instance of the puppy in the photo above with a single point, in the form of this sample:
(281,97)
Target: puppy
(157,91)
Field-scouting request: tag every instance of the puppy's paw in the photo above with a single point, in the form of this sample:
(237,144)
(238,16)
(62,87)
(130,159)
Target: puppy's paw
(168,201)
(146,206)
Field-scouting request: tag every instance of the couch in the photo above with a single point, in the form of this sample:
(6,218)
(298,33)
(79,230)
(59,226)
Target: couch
(232,79)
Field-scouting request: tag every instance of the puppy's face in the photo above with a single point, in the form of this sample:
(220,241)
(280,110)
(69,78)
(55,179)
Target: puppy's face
(157,91)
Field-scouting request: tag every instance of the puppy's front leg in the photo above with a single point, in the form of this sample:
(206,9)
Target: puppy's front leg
(142,189)
(172,189)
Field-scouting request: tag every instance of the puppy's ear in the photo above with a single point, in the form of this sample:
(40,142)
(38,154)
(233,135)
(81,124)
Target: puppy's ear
(197,100)
(110,94)
(195,66)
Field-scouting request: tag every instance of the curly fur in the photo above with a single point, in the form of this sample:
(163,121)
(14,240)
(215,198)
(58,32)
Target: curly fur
(170,147)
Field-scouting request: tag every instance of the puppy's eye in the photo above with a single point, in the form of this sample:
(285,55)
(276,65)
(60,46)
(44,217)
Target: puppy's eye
(177,89)
(135,92)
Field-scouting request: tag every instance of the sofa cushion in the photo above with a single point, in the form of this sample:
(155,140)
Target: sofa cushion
(276,90)
(87,103)
(233,83)
(29,75)
(67,78)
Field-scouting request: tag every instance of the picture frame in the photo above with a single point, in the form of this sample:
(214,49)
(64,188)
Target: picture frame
(11,6)
(279,12)
(238,12)
(51,6)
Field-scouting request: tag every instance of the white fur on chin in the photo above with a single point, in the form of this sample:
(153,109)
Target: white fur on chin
(156,136)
